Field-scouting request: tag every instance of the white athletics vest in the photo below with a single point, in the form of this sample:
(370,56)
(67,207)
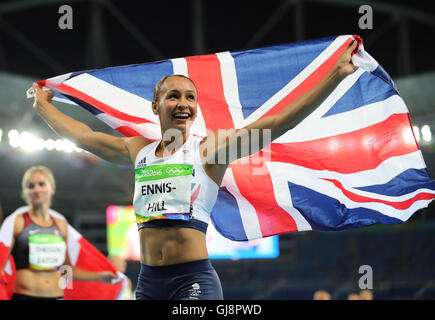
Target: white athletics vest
(174,187)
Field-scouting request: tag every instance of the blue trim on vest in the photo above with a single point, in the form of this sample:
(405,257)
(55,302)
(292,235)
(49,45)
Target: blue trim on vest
(174,223)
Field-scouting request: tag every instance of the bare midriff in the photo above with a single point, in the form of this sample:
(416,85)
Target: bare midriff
(167,246)
(38,283)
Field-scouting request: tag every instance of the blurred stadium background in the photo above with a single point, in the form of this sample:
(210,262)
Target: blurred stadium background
(111,33)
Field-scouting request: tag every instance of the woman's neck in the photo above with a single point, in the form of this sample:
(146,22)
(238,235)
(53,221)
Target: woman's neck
(40,212)
(171,143)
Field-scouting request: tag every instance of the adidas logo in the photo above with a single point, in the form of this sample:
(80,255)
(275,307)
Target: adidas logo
(142,163)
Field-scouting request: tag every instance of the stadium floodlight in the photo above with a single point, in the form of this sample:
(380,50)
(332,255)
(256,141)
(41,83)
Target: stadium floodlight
(14,138)
(68,146)
(39,144)
(426,133)
(49,144)
(59,145)
(28,141)
(416,133)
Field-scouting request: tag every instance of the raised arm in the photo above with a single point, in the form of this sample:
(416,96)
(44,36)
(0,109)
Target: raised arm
(237,139)
(108,147)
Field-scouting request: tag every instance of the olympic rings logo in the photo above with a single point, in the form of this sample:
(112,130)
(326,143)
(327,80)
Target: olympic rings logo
(175,171)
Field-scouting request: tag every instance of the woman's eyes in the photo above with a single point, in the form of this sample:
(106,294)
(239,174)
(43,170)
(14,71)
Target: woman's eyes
(32,185)
(177,96)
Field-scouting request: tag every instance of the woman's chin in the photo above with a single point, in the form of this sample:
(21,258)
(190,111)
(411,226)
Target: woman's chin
(39,204)
(182,126)
(177,128)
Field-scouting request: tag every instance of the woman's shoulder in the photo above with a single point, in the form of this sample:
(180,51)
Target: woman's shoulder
(18,224)
(62,225)
(136,144)
(138,141)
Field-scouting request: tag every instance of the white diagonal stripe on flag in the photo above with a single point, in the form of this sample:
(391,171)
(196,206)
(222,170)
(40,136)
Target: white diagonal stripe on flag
(386,171)
(327,188)
(332,99)
(344,122)
(296,81)
(283,198)
(113,96)
(149,130)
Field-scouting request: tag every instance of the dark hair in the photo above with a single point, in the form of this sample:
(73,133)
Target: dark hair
(159,84)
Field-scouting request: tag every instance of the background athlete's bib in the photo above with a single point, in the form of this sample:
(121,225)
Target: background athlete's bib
(162,191)
(46,251)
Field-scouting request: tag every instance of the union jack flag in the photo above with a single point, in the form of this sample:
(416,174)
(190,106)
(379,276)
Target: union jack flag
(353,162)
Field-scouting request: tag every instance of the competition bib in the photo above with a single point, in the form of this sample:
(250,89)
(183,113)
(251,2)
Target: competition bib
(162,191)
(46,251)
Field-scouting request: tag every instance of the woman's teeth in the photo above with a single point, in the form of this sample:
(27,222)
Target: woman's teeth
(181,115)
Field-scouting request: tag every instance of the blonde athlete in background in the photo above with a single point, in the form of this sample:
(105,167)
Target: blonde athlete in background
(39,243)
(174,257)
